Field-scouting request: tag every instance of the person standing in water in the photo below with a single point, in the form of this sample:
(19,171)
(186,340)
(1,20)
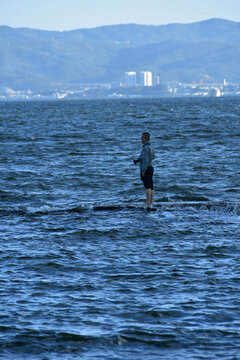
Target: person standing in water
(146,168)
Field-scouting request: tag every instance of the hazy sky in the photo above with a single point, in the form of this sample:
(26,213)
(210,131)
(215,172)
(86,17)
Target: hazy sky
(75,14)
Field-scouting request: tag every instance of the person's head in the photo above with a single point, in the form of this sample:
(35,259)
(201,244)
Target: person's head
(145,137)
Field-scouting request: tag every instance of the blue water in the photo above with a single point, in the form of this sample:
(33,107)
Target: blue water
(85,271)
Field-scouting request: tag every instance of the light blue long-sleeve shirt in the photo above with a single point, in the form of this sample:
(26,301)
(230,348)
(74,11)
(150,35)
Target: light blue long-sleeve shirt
(146,157)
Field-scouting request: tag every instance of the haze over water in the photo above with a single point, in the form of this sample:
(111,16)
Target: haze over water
(85,271)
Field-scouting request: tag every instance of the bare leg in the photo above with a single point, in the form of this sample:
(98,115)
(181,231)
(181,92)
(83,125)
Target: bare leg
(148,196)
(152,195)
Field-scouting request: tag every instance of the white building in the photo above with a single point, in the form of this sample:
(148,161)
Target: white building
(145,78)
(130,79)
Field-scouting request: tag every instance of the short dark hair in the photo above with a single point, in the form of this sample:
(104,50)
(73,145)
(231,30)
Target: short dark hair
(146,135)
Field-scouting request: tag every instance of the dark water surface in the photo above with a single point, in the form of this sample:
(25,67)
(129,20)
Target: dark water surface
(85,272)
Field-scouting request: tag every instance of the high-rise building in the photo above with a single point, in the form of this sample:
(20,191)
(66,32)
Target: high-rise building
(156,80)
(130,79)
(145,78)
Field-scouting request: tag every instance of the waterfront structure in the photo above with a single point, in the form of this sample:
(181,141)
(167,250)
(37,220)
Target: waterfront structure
(130,79)
(214,91)
(145,78)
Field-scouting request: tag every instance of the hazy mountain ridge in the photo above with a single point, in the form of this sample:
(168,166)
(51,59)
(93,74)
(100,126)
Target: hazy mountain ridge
(31,58)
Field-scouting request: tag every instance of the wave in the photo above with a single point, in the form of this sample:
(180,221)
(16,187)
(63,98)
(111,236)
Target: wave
(223,207)
(150,338)
(30,341)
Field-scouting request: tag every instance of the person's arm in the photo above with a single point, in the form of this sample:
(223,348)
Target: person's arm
(144,160)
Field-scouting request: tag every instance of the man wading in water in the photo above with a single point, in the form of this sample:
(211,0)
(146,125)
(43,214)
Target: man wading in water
(146,168)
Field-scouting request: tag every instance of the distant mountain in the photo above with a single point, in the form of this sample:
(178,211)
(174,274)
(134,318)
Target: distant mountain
(38,59)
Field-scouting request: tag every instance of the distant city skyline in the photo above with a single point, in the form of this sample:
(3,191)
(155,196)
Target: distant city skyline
(74,14)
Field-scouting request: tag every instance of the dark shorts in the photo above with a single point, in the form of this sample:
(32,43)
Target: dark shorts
(147,179)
